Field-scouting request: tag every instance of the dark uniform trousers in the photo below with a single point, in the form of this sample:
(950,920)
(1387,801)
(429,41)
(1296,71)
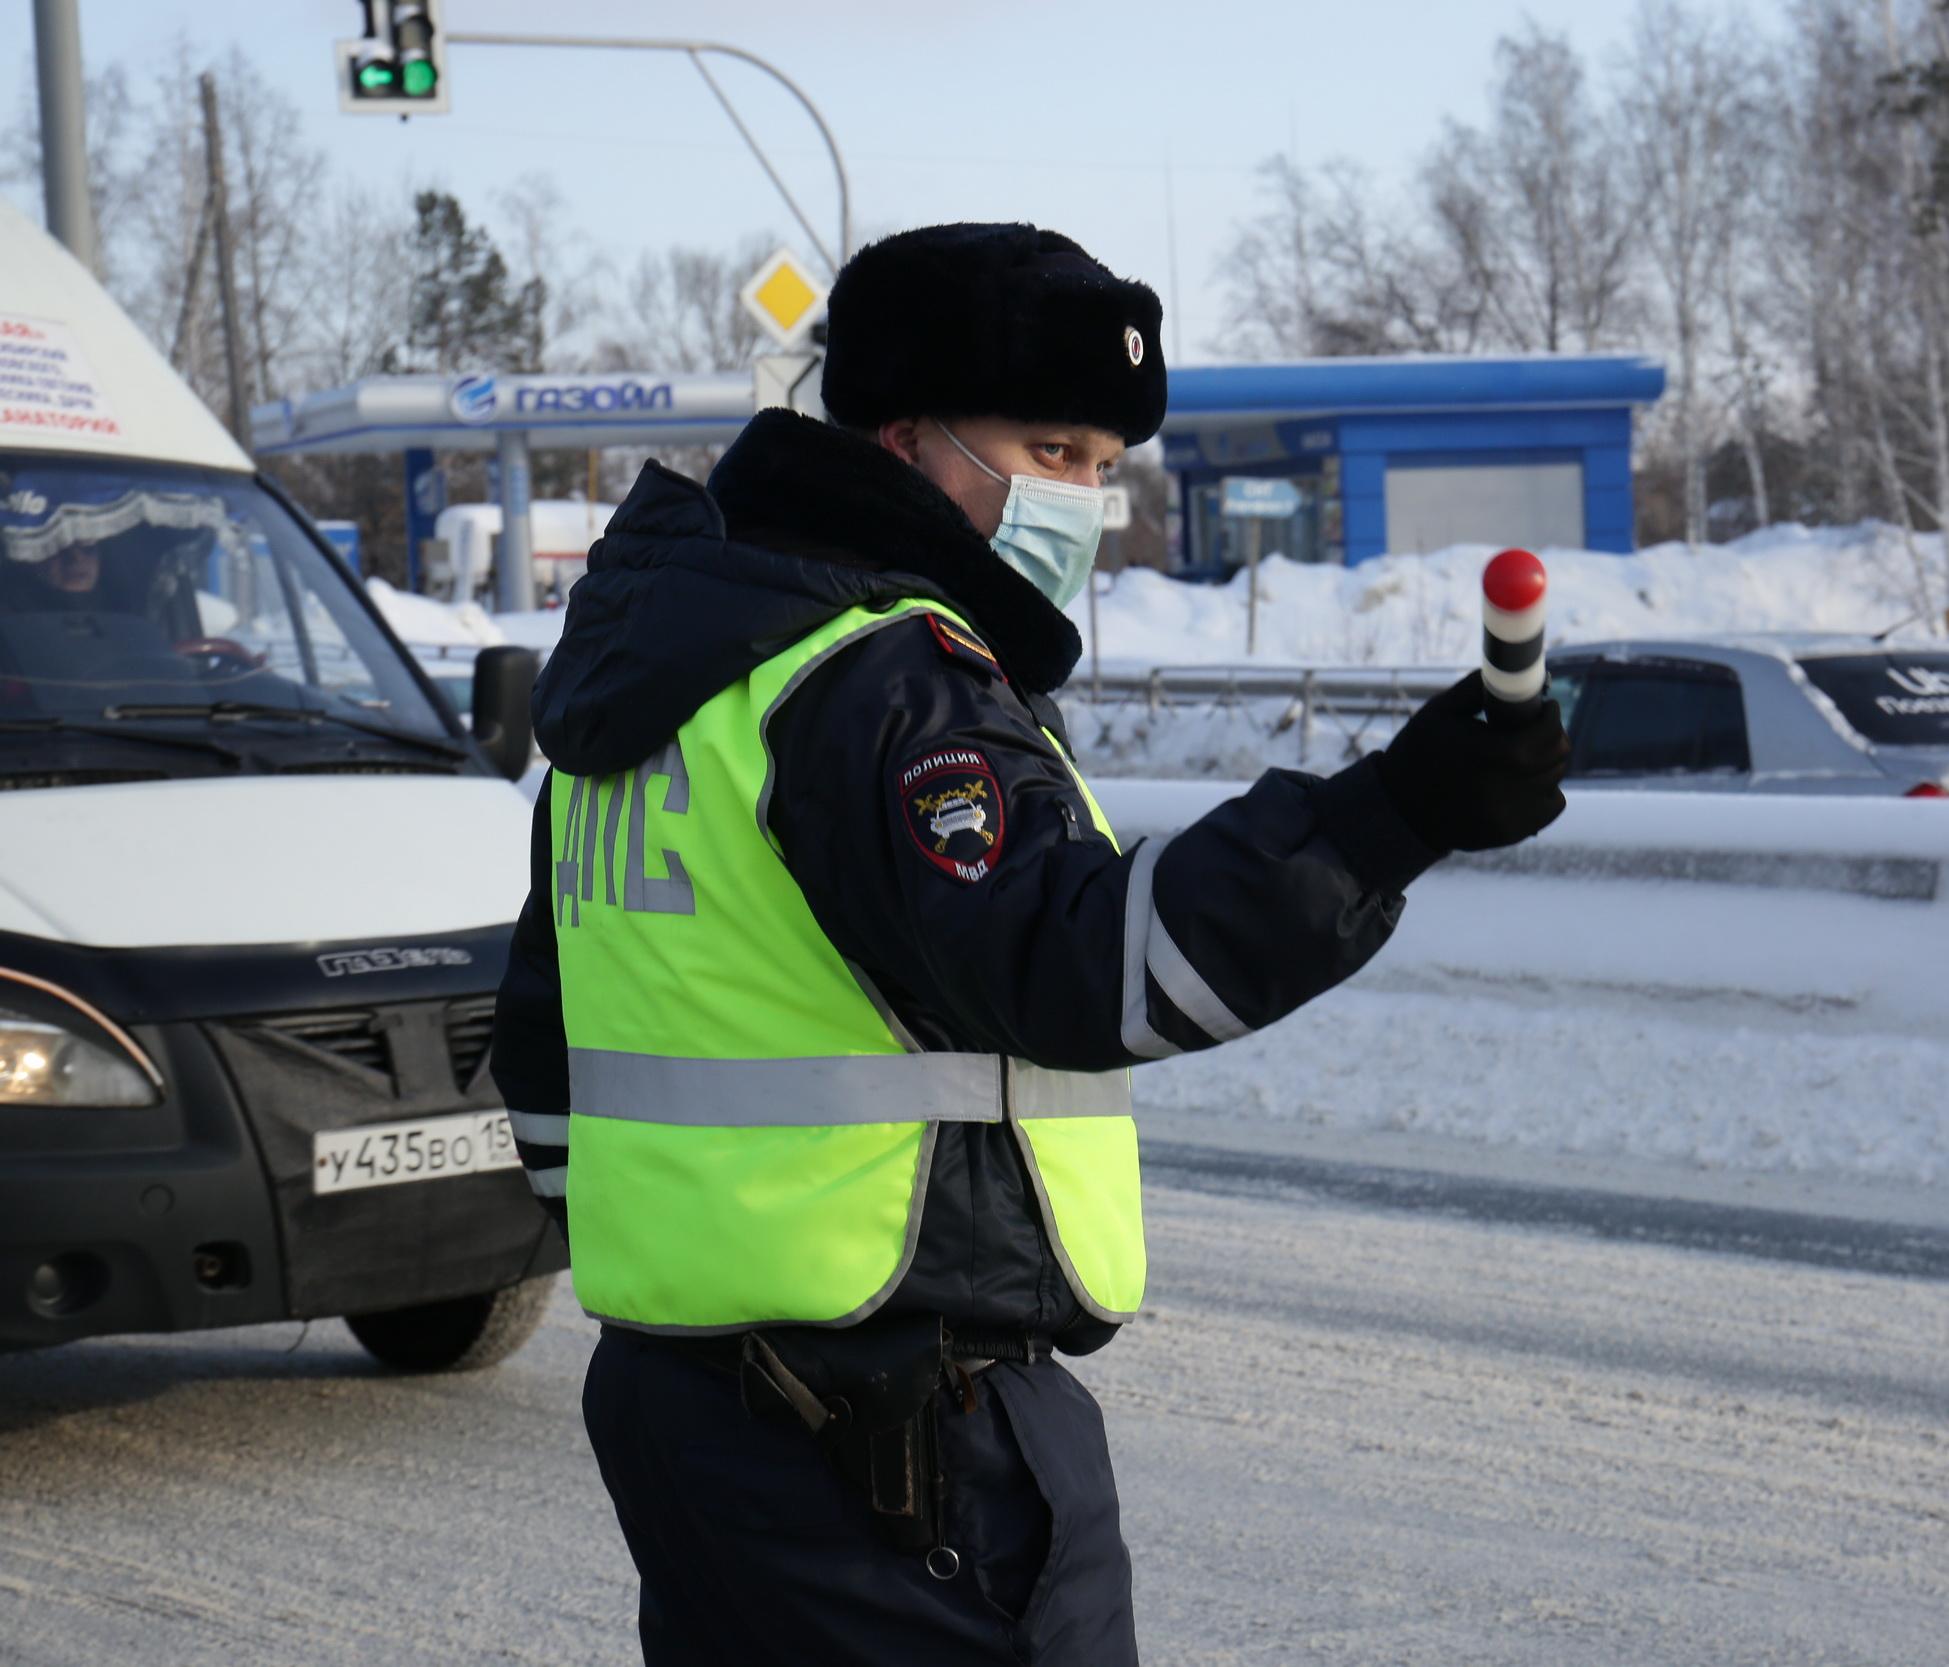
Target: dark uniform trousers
(753,1553)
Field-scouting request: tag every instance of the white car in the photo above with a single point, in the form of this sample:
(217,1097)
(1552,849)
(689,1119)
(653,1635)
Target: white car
(1781,714)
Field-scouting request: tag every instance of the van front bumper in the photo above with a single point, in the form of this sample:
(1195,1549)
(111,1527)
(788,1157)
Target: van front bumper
(148,1219)
(199,1212)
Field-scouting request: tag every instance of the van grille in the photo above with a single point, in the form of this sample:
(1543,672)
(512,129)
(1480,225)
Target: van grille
(352,1036)
(470,1029)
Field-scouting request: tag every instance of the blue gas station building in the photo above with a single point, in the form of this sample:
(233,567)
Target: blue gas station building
(1385,454)
(1412,454)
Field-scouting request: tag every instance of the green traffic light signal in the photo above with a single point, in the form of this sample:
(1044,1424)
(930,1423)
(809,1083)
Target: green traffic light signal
(395,66)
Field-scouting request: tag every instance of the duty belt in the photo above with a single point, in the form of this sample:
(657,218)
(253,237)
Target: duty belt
(974,1351)
(868,1396)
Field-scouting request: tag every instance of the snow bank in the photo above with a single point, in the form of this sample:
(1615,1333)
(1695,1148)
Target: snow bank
(1427,610)
(539,629)
(1791,1021)
(420,621)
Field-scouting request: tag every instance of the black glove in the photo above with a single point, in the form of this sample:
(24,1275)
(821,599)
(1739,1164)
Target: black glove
(1461,785)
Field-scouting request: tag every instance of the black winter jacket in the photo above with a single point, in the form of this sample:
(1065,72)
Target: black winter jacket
(1029,935)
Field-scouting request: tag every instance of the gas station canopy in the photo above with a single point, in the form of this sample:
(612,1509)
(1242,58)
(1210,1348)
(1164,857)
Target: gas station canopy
(471,413)
(482,411)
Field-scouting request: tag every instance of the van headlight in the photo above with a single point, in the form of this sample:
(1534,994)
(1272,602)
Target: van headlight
(55,1050)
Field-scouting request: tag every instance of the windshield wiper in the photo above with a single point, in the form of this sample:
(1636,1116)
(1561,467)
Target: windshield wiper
(239,711)
(68,726)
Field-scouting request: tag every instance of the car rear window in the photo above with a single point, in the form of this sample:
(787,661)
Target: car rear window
(1894,700)
(1660,719)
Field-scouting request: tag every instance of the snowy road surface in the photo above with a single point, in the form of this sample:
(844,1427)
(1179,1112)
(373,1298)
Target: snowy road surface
(1345,1435)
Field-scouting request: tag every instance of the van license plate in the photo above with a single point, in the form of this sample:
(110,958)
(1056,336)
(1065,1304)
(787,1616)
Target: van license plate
(428,1149)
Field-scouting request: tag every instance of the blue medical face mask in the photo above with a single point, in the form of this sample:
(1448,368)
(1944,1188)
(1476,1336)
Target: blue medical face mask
(1049,531)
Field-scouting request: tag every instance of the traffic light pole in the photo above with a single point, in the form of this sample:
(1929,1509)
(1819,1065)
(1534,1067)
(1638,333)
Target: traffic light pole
(695,51)
(64,147)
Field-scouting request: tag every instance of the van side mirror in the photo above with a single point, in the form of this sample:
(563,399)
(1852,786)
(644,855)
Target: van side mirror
(504,682)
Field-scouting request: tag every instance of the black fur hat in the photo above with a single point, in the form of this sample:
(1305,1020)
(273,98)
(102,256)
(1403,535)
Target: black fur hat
(1003,320)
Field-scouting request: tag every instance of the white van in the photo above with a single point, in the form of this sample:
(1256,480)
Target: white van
(256,887)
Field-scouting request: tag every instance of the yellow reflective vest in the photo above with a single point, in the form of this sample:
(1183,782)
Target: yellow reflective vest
(749,1141)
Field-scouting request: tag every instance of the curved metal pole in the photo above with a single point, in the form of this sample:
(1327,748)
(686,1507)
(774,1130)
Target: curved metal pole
(629,43)
(764,161)
(825,133)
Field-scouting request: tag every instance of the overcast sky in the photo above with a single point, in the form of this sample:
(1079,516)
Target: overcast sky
(1062,113)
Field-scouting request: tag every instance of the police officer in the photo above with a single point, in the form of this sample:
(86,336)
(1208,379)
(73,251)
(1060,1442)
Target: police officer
(816,1025)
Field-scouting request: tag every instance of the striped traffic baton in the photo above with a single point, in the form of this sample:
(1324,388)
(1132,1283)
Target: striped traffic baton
(1514,585)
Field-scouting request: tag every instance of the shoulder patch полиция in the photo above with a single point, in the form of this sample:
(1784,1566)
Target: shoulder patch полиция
(952,805)
(965,647)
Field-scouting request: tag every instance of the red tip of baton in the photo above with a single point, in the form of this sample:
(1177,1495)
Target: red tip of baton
(1515,580)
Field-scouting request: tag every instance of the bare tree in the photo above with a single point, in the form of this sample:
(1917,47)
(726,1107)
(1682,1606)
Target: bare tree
(278,179)
(1321,271)
(1535,212)
(542,250)
(680,311)
(115,163)
(159,238)
(1387,288)
(1685,104)
(1747,380)
(1748,391)
(1811,207)
(1270,272)
(360,291)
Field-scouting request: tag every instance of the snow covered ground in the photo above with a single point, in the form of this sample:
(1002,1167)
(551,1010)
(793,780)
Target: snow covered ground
(1778,1022)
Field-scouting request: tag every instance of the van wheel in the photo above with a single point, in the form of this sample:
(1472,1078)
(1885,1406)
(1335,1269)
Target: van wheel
(461,1334)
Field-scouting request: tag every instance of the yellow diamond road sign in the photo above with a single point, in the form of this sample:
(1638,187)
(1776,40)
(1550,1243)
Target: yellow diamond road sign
(784,298)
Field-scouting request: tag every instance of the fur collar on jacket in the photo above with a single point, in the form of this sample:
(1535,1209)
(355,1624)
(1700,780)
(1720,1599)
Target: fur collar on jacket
(801,486)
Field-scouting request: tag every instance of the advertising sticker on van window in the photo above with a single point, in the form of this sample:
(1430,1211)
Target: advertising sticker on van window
(46,385)
(1895,698)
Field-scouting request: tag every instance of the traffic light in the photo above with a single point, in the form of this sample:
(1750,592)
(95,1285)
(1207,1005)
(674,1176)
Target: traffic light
(397,66)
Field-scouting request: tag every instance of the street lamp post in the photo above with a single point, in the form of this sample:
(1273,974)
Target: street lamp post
(695,51)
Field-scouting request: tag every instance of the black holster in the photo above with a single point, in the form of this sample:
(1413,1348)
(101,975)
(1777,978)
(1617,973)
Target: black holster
(867,1394)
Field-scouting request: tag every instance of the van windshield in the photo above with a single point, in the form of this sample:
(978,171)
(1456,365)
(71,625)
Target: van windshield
(149,606)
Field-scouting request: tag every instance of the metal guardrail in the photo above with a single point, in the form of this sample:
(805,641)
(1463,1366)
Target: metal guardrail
(1257,681)
(1896,879)
(1352,699)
